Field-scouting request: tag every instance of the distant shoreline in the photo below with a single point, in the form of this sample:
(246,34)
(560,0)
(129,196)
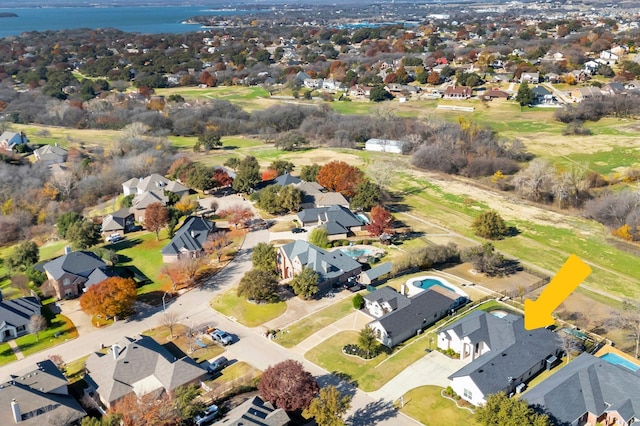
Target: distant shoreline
(8,15)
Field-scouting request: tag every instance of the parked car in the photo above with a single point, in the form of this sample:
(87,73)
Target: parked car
(298,230)
(209,414)
(217,365)
(114,238)
(221,337)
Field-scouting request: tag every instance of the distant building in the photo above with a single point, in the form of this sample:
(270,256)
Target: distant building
(8,140)
(460,92)
(50,154)
(386,145)
(121,220)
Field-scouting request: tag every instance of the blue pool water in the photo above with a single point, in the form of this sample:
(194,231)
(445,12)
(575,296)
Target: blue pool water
(615,359)
(357,252)
(363,218)
(428,283)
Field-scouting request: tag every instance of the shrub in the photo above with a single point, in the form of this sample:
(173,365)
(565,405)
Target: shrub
(355,350)
(358,301)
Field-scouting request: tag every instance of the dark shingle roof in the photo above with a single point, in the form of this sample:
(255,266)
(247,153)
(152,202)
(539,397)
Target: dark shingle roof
(256,412)
(378,271)
(513,350)
(79,263)
(326,264)
(17,312)
(190,237)
(336,218)
(287,179)
(588,384)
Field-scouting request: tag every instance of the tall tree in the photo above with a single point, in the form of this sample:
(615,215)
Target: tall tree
(381,221)
(309,173)
(37,324)
(367,195)
(500,410)
(318,237)
(248,174)
(259,286)
(282,166)
(156,217)
(216,243)
(24,255)
(291,141)
(187,404)
(236,214)
(264,257)
(367,341)
(288,386)
(340,177)
(629,321)
(83,234)
(328,407)
(110,298)
(490,225)
(221,178)
(148,409)
(305,284)
(525,95)
(65,220)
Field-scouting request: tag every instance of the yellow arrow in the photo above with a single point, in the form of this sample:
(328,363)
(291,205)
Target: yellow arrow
(538,314)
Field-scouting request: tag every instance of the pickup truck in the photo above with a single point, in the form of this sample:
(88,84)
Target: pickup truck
(221,337)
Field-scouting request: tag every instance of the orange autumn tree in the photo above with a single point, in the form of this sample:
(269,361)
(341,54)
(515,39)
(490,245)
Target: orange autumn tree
(269,174)
(156,217)
(110,298)
(340,177)
(381,221)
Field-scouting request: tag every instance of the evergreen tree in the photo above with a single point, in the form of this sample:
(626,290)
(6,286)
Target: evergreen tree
(525,95)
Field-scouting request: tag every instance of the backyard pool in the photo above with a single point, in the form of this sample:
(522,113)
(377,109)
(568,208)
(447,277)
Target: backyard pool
(499,313)
(616,359)
(416,285)
(361,251)
(363,218)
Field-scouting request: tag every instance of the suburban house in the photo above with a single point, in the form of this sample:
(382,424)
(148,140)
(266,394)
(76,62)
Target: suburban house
(140,365)
(315,196)
(589,391)
(542,95)
(149,190)
(332,267)
(39,396)
(399,317)
(71,273)
(500,353)
(360,90)
(402,88)
(189,240)
(15,316)
(609,57)
(460,92)
(338,220)
(287,179)
(385,145)
(530,77)
(584,93)
(255,412)
(121,220)
(8,140)
(50,154)
(613,88)
(376,274)
(492,94)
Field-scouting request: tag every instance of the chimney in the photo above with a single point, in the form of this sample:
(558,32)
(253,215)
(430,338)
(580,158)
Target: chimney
(115,349)
(15,409)
(67,249)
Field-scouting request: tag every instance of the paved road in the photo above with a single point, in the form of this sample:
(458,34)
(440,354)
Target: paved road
(193,309)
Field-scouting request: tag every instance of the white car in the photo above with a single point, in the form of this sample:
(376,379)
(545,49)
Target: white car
(209,414)
(114,238)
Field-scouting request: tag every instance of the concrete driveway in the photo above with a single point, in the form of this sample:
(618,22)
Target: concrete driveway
(431,369)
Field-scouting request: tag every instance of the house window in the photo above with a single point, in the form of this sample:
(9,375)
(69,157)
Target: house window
(20,329)
(467,394)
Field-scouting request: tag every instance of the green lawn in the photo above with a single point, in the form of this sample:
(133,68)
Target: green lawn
(372,374)
(6,354)
(246,313)
(607,161)
(74,370)
(429,407)
(60,330)
(304,328)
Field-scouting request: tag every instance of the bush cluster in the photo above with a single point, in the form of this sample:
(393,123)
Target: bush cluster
(351,349)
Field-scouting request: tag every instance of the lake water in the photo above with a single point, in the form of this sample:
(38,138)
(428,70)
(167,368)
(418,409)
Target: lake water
(149,20)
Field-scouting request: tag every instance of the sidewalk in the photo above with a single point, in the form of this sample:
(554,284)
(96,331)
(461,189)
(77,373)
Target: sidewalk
(16,350)
(354,321)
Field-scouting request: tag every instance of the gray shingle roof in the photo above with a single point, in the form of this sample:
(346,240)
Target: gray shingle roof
(257,412)
(588,384)
(513,350)
(190,237)
(140,359)
(287,179)
(41,393)
(378,271)
(326,264)
(78,263)
(155,182)
(143,200)
(116,220)
(17,312)
(425,305)
(336,218)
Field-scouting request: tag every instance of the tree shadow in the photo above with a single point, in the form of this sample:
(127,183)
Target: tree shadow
(512,231)
(342,381)
(373,413)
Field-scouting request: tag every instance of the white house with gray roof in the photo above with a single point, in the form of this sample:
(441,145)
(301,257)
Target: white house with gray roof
(189,240)
(139,365)
(500,352)
(589,391)
(149,190)
(38,396)
(331,267)
(15,316)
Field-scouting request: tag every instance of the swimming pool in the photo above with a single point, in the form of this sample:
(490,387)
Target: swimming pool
(356,252)
(363,218)
(425,282)
(616,359)
(499,313)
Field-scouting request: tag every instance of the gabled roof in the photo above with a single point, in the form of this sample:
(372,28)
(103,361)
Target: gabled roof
(78,263)
(588,384)
(155,181)
(323,199)
(326,264)
(513,350)
(13,138)
(17,312)
(336,218)
(423,306)
(50,152)
(287,179)
(256,412)
(378,271)
(309,187)
(390,296)
(190,237)
(540,91)
(143,200)
(116,220)
(140,365)
(38,394)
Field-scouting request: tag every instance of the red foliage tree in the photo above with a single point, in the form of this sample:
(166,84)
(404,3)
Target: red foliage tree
(208,79)
(156,217)
(236,214)
(340,177)
(381,221)
(111,297)
(222,178)
(145,410)
(288,386)
(269,174)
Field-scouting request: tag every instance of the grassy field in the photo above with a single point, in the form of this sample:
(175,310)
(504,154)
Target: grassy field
(246,313)
(429,407)
(304,328)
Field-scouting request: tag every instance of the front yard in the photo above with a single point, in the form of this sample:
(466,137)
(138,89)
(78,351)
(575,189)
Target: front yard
(60,329)
(429,407)
(180,346)
(246,313)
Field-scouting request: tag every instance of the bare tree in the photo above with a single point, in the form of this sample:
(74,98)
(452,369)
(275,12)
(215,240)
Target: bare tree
(58,361)
(65,183)
(215,244)
(170,320)
(569,343)
(383,173)
(21,282)
(535,181)
(629,321)
(37,323)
